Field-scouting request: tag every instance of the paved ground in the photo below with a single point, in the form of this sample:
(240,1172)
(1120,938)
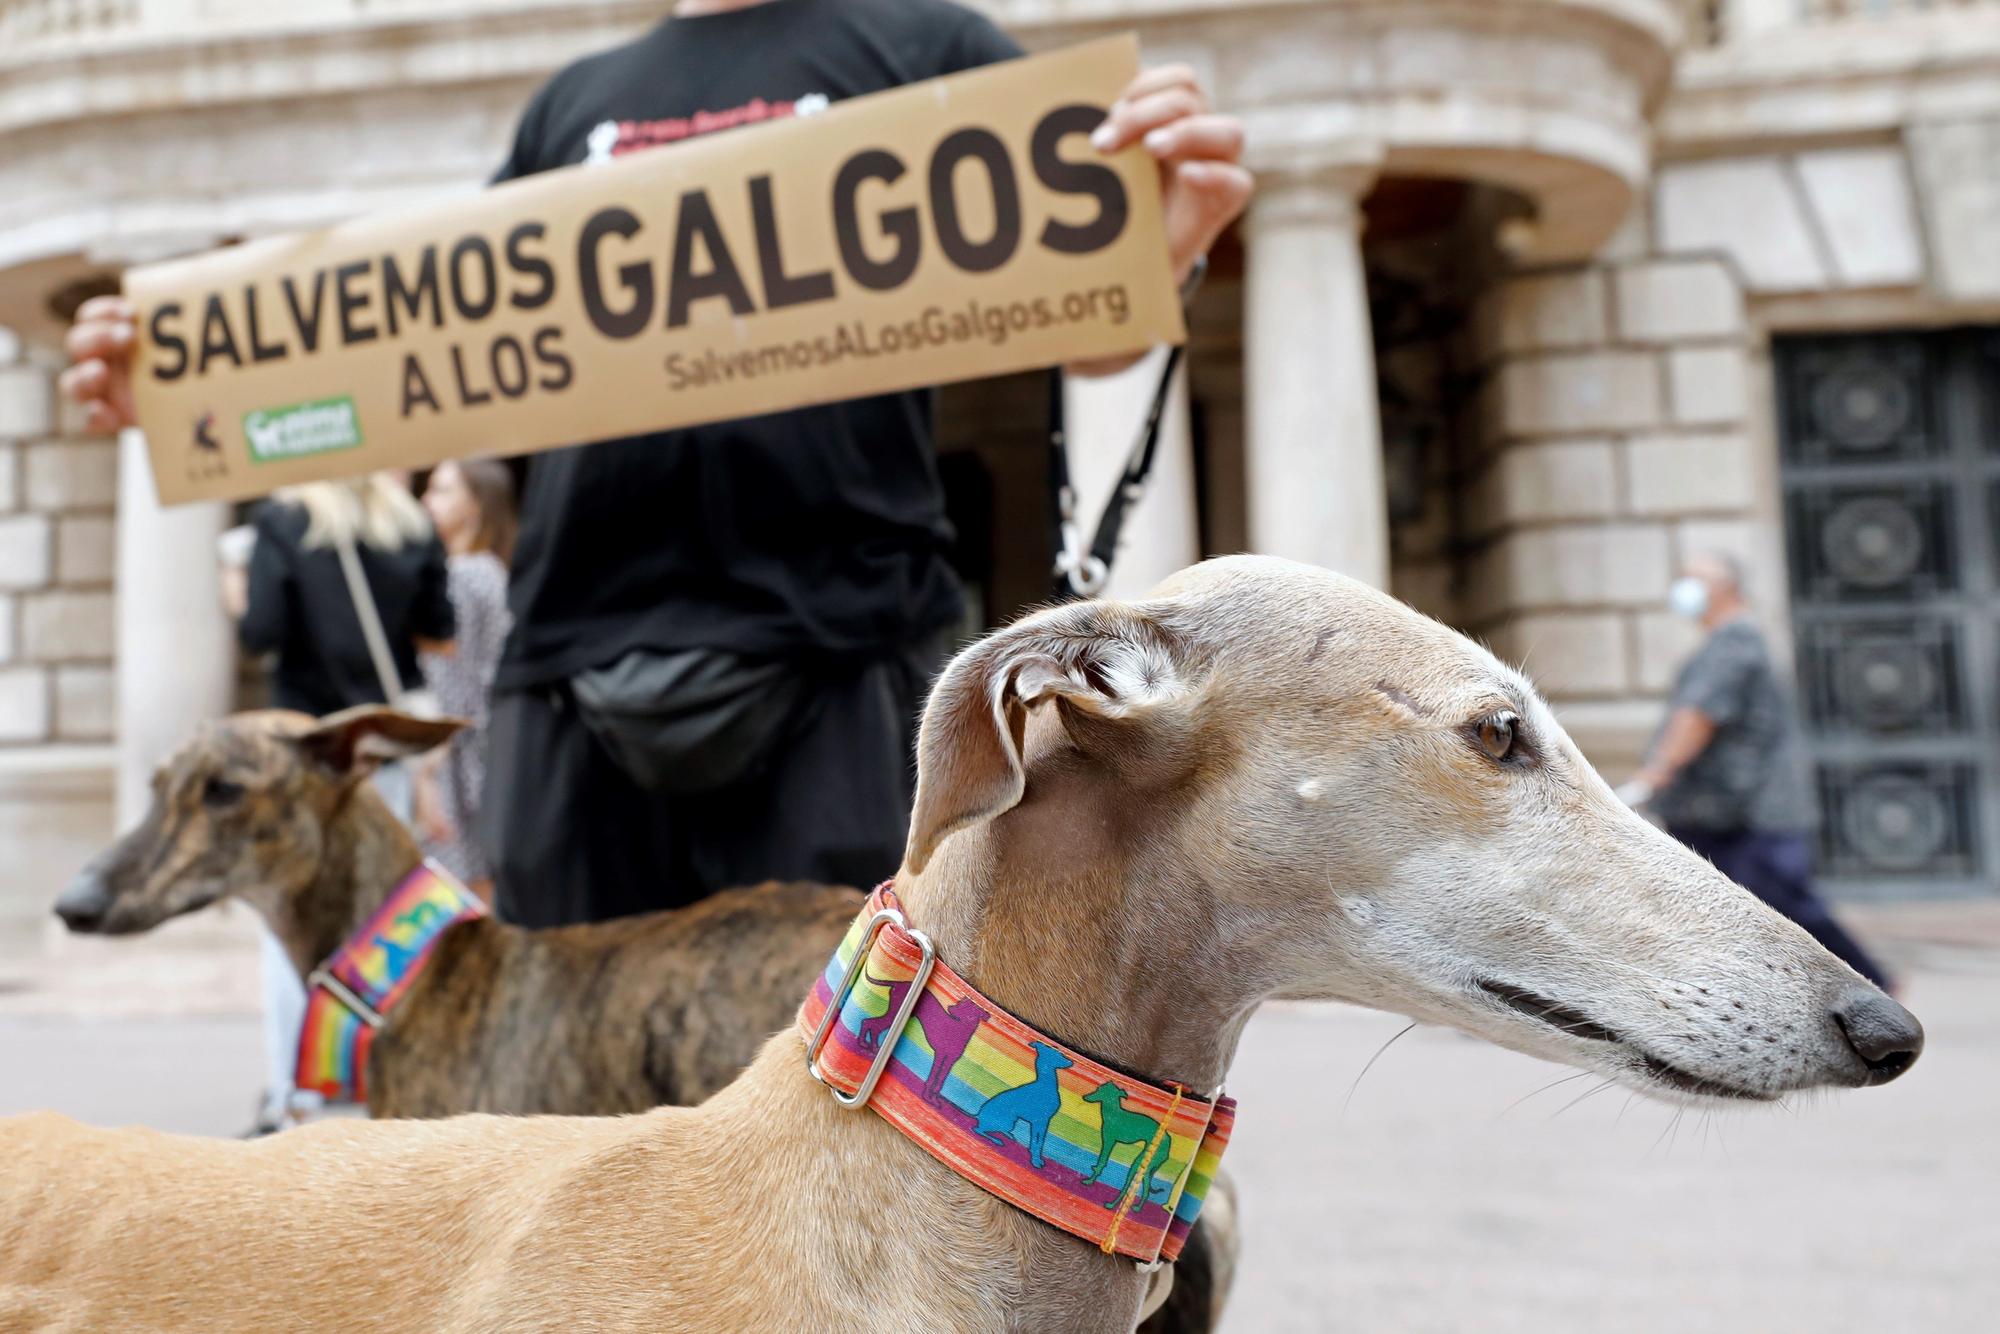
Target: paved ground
(1430,1206)
(1434,1202)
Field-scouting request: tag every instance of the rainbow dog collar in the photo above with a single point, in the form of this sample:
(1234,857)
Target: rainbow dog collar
(348,996)
(1109,1158)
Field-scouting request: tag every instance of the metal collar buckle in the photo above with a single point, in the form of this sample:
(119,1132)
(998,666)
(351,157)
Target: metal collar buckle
(897,1022)
(340,991)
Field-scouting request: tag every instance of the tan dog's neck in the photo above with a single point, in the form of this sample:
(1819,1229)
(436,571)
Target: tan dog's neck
(1072,875)
(367,853)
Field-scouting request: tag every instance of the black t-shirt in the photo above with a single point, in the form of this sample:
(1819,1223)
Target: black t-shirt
(819,531)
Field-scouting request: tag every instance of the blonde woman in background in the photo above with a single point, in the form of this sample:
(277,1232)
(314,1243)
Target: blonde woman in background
(292,600)
(472,504)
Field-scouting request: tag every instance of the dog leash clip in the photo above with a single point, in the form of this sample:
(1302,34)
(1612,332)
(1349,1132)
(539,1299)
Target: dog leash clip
(1080,569)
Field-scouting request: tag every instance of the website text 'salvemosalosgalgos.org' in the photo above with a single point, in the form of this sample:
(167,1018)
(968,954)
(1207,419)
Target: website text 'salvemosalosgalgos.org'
(938,326)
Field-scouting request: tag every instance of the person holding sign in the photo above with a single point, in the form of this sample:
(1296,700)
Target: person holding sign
(722,632)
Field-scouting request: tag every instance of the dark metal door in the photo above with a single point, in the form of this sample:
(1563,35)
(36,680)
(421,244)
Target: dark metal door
(1891,474)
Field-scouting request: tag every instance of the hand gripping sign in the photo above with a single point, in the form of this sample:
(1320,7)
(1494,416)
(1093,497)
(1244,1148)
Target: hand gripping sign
(951,229)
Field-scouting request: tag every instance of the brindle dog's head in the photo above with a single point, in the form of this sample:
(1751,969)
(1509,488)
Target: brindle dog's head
(243,808)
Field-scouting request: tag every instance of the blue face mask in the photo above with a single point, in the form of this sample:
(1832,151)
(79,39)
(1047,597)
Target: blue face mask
(1688,596)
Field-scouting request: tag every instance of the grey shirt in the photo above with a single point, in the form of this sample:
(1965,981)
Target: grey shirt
(1752,775)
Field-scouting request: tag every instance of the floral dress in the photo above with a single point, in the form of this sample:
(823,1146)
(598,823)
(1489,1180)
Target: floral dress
(463,683)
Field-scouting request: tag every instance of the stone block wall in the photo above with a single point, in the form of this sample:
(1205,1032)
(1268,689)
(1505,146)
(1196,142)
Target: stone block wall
(58,498)
(1609,437)
(1831,219)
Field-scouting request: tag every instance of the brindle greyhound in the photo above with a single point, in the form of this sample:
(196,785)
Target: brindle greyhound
(620,1016)
(1134,823)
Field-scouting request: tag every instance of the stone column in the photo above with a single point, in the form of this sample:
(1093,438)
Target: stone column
(176,651)
(1103,416)
(1313,457)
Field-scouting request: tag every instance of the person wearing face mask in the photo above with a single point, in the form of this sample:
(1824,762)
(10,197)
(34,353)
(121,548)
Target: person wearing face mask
(1726,774)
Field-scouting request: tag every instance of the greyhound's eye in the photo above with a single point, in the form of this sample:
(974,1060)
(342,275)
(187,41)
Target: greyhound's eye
(1496,735)
(221,792)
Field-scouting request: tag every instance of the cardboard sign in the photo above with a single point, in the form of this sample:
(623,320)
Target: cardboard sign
(947,230)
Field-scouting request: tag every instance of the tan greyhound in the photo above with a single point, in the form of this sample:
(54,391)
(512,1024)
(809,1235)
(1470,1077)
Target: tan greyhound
(1134,823)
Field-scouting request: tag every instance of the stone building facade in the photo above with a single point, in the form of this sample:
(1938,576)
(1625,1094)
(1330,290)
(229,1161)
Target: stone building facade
(1536,298)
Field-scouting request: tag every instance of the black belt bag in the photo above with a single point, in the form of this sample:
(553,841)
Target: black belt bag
(694,720)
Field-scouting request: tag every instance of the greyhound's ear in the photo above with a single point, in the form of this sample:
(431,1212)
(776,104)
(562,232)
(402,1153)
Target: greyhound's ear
(355,740)
(1098,660)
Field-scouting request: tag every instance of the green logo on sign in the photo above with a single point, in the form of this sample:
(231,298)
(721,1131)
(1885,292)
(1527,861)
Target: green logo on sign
(319,427)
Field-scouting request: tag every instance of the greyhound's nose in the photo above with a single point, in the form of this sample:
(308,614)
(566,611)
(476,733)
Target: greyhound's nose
(83,905)
(1886,1037)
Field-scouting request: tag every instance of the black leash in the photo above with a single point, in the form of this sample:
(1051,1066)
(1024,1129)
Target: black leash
(1082,572)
